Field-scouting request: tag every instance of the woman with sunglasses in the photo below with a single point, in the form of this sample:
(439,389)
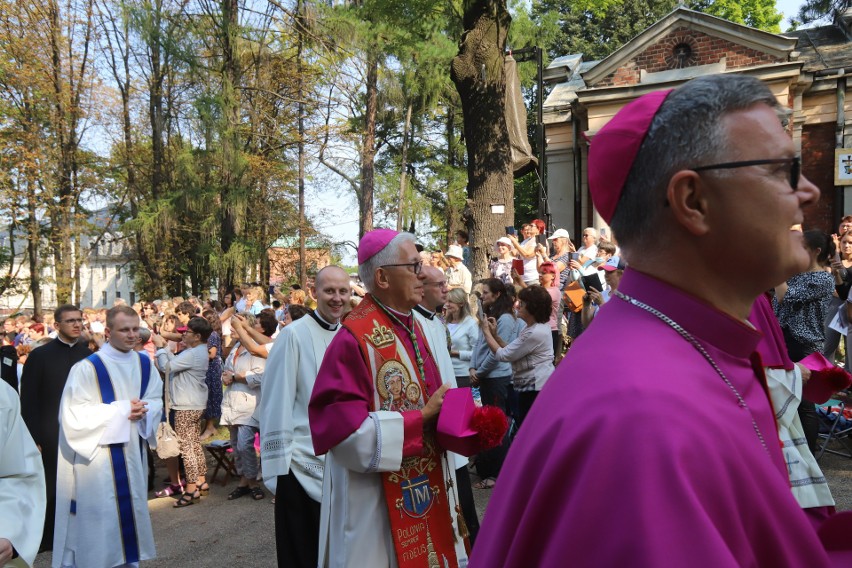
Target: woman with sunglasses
(187,391)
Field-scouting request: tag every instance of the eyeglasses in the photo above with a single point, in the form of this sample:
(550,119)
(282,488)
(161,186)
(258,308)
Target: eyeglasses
(795,167)
(442,284)
(72,321)
(416,266)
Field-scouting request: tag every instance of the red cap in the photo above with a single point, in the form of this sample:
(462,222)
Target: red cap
(614,148)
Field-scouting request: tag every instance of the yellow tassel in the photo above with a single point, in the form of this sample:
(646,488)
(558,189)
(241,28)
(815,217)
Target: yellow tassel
(463,532)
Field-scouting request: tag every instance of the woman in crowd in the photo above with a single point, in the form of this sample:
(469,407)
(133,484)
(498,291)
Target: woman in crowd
(531,352)
(561,257)
(186,373)
(526,251)
(23,352)
(588,247)
(254,300)
(439,261)
(463,333)
(578,269)
(213,378)
(252,335)
(243,375)
(841,269)
(548,275)
(36,333)
(229,300)
(493,377)
(168,329)
(297,297)
(801,304)
(150,316)
(501,265)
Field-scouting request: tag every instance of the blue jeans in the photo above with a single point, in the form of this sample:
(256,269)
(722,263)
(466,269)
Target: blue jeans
(245,456)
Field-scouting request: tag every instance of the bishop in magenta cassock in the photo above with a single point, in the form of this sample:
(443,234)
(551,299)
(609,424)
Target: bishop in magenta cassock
(389,493)
(654,443)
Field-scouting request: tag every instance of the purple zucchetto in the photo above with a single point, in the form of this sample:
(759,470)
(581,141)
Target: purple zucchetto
(372,242)
(614,148)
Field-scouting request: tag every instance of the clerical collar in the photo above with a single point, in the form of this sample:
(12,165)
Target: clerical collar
(424,312)
(321,322)
(59,338)
(397,312)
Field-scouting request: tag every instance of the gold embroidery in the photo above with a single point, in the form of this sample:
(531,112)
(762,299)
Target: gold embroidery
(382,336)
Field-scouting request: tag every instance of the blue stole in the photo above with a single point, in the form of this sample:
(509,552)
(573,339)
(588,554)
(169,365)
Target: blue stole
(124,499)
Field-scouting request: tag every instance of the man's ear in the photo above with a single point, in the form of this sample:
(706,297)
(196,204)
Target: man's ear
(381,279)
(687,198)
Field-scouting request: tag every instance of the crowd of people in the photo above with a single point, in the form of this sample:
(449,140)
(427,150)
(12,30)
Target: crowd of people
(332,395)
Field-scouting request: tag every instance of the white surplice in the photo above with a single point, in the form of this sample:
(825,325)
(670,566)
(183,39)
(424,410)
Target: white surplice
(285,432)
(91,537)
(807,481)
(22,493)
(436,336)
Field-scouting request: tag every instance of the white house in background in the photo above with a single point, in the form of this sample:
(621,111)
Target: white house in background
(104,271)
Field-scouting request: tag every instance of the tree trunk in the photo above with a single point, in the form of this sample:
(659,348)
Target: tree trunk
(477,72)
(155,103)
(232,198)
(451,213)
(368,146)
(66,142)
(303,261)
(32,246)
(403,173)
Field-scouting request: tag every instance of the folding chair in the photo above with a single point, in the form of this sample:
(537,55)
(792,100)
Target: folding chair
(834,427)
(223,455)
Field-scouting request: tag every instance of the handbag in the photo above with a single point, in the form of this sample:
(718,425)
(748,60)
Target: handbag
(572,296)
(167,440)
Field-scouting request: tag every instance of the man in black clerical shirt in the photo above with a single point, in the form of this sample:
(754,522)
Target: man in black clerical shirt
(42,383)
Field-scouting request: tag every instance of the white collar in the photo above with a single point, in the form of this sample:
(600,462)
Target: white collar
(110,352)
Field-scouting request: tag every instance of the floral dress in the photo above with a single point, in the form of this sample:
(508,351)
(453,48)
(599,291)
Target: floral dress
(214,379)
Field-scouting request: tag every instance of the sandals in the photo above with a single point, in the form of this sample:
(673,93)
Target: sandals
(188,499)
(204,488)
(487,483)
(257,493)
(239,492)
(169,491)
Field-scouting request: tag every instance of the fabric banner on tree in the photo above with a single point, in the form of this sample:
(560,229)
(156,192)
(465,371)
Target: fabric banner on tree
(523,159)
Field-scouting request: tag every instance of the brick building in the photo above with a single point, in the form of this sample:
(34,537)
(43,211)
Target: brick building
(804,69)
(284,259)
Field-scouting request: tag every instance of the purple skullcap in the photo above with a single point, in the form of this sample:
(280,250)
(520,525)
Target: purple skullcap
(372,242)
(614,148)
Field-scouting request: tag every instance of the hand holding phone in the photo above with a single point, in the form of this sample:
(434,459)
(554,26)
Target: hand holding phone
(518,266)
(510,230)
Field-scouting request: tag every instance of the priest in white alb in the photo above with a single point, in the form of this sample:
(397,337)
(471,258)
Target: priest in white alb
(22,494)
(291,469)
(111,406)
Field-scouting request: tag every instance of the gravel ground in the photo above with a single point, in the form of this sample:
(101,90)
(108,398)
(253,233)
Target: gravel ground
(218,532)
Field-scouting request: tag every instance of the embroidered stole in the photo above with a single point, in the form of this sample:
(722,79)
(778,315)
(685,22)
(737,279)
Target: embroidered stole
(124,498)
(416,495)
